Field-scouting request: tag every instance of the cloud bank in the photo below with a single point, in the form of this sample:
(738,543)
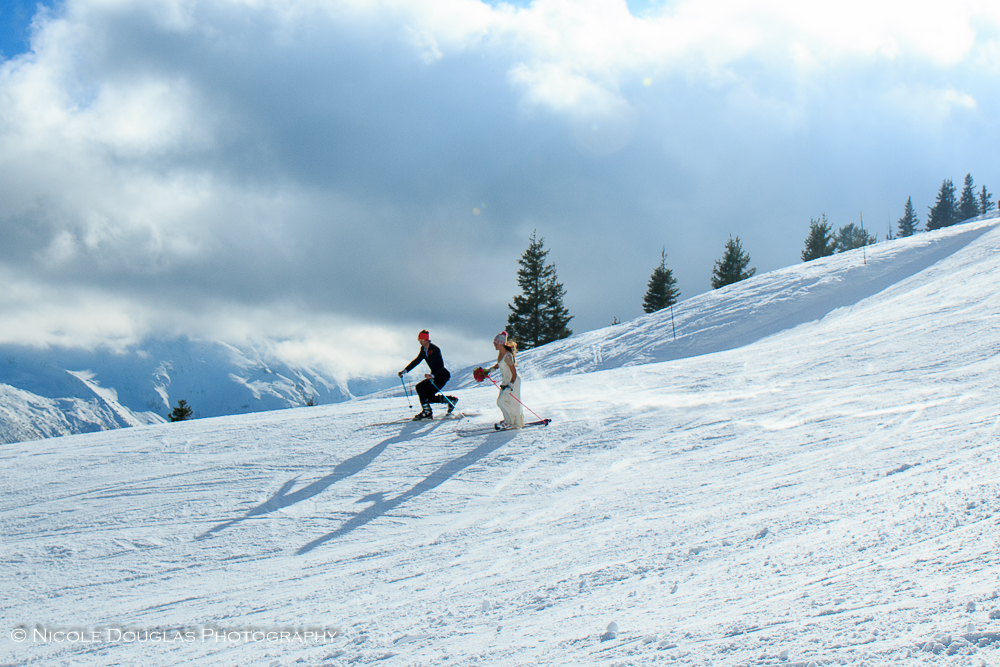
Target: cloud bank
(337,174)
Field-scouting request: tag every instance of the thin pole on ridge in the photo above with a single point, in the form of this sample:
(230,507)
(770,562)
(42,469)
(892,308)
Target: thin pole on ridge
(864,239)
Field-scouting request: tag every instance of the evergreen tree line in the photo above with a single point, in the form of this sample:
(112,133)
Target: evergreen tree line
(822,241)
(538,315)
(946,210)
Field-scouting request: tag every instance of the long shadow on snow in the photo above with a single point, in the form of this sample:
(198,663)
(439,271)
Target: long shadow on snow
(351,466)
(380,506)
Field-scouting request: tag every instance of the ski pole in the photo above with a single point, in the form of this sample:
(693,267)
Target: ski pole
(442,393)
(406,391)
(517,399)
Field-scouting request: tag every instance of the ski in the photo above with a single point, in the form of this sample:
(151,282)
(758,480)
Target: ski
(453,416)
(469,432)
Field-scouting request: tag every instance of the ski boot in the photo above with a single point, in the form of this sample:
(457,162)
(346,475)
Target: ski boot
(500,426)
(452,400)
(424,414)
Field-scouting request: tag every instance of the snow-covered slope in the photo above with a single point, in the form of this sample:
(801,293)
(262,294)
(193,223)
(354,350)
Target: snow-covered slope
(749,311)
(826,494)
(58,391)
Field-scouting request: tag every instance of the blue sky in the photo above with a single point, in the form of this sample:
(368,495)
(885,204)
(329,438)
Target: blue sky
(339,174)
(15,25)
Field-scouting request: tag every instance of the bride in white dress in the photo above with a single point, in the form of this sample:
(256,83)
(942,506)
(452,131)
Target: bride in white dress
(509,400)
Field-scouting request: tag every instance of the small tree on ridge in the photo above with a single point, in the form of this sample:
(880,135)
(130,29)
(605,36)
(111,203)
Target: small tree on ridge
(732,267)
(182,412)
(820,242)
(968,205)
(662,289)
(850,237)
(985,201)
(944,213)
(907,225)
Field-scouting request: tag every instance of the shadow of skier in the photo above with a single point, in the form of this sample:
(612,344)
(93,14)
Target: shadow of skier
(380,506)
(282,498)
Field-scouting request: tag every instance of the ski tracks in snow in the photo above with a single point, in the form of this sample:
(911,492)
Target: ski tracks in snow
(825,495)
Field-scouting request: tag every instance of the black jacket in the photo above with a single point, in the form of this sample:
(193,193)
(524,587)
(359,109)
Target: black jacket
(434,360)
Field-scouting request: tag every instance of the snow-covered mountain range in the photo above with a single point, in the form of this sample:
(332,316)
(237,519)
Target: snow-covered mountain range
(806,476)
(61,391)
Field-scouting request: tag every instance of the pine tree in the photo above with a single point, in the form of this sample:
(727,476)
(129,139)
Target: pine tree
(985,201)
(662,289)
(850,237)
(732,268)
(945,210)
(968,206)
(182,412)
(538,316)
(908,223)
(820,242)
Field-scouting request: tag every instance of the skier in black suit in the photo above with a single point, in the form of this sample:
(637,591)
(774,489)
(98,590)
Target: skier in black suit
(429,388)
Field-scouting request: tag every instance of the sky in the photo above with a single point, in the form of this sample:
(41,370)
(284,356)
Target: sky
(339,174)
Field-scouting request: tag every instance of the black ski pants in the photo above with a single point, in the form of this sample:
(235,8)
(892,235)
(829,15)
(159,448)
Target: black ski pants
(426,391)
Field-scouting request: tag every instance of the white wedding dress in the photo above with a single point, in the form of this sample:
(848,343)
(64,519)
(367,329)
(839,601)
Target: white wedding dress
(509,399)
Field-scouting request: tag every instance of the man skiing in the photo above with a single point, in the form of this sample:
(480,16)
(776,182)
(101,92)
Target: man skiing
(428,389)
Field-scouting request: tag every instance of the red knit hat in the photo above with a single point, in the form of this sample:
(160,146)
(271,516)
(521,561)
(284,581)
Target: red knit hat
(424,335)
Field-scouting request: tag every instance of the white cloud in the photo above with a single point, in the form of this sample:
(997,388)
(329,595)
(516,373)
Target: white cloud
(574,54)
(934,104)
(559,87)
(42,315)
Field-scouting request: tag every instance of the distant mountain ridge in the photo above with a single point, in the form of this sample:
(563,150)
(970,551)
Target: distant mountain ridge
(61,391)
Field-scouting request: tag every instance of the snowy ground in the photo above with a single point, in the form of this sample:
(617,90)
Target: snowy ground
(825,494)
